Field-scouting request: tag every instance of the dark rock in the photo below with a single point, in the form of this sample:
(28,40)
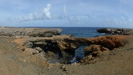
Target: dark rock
(96,36)
(50,54)
(116,31)
(104,30)
(66,56)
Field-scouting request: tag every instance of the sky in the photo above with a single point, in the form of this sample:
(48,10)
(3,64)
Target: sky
(66,13)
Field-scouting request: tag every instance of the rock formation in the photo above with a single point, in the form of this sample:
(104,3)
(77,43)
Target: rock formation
(65,46)
(29,32)
(42,41)
(116,31)
(92,52)
(102,45)
(30,56)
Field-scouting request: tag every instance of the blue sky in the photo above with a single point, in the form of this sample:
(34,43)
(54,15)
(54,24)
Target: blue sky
(66,13)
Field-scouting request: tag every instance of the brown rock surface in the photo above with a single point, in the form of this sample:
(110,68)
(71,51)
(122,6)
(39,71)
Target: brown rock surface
(66,45)
(109,42)
(102,45)
(95,50)
(92,52)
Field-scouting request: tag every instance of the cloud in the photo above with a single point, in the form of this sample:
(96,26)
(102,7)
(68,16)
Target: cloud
(44,15)
(122,18)
(65,10)
(115,20)
(57,17)
(71,19)
(118,21)
(46,11)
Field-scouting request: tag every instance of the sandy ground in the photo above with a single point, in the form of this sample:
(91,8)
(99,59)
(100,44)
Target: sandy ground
(13,61)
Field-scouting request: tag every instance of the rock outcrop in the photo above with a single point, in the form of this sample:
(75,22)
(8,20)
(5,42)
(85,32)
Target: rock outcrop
(65,46)
(116,31)
(95,50)
(92,52)
(102,45)
(29,32)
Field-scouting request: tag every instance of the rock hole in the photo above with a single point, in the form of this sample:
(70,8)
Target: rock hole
(79,54)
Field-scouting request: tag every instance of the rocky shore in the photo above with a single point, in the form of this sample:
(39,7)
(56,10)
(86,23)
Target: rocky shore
(29,32)
(104,55)
(116,31)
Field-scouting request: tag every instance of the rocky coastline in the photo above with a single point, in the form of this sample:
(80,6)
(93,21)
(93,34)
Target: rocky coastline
(29,32)
(65,46)
(116,31)
(38,45)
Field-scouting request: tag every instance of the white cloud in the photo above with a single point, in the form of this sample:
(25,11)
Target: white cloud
(115,20)
(65,10)
(46,11)
(44,15)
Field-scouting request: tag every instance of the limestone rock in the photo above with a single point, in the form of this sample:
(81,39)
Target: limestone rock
(92,52)
(65,46)
(95,50)
(31,32)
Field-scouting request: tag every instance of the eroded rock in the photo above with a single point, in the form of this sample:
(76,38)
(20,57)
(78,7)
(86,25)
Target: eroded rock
(30,32)
(95,50)
(92,52)
(65,46)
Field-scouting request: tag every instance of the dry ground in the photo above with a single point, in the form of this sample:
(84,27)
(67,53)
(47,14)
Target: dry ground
(13,61)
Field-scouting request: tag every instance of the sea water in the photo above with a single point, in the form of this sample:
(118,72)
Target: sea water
(81,31)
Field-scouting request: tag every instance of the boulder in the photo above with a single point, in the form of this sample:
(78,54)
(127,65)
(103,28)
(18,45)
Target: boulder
(104,30)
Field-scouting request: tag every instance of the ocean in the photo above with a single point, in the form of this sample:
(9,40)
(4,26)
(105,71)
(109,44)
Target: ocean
(89,32)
